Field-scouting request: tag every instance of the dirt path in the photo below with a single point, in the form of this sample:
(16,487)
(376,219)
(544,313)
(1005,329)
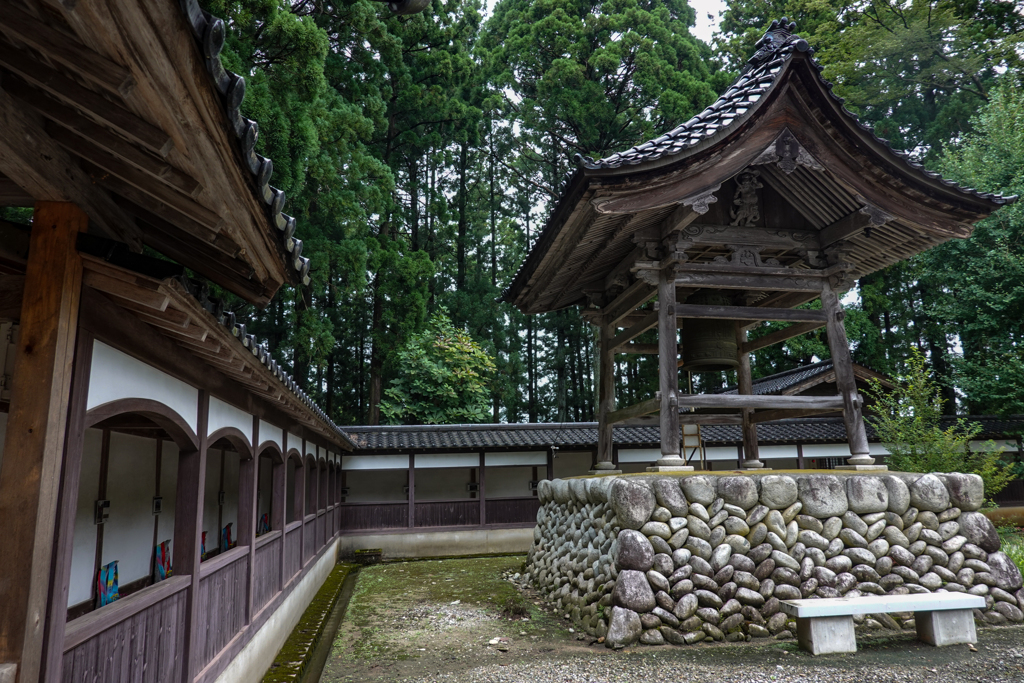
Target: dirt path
(443,620)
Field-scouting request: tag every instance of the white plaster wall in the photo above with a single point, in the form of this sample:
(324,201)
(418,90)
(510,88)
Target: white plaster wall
(269,432)
(294,442)
(375,462)
(117,375)
(442,484)
(131,480)
(83,544)
(226,415)
(229,514)
(437,460)
(259,653)
(568,464)
(266,481)
(509,482)
(644,455)
(210,507)
(538,458)
(168,491)
(365,486)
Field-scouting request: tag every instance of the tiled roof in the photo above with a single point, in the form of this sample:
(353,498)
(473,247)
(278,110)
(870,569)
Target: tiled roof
(779,382)
(583,435)
(758,77)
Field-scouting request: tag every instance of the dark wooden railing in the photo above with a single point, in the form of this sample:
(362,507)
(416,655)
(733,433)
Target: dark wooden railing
(385,515)
(222,600)
(321,527)
(292,550)
(512,510)
(267,577)
(447,513)
(138,638)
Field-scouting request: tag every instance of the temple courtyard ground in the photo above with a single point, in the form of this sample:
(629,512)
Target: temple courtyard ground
(466,620)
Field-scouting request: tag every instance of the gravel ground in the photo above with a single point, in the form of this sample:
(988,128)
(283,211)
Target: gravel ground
(442,621)
(999,659)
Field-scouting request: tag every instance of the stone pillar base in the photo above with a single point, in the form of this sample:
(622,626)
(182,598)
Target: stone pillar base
(753,465)
(605,472)
(863,468)
(949,627)
(670,468)
(825,635)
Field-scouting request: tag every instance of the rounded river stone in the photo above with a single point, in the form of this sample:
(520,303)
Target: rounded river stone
(669,495)
(778,492)
(1006,573)
(822,495)
(738,491)
(634,551)
(966,491)
(633,503)
(633,591)
(624,628)
(979,530)
(929,493)
(867,494)
(699,489)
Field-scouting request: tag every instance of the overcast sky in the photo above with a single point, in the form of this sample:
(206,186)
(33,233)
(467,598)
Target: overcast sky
(705,26)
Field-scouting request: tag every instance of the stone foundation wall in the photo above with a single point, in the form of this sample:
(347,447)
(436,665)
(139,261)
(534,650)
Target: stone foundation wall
(678,559)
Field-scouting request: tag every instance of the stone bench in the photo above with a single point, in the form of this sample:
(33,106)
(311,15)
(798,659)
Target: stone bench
(826,625)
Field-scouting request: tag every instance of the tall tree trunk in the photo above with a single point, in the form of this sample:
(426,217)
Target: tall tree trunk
(460,278)
(414,204)
(376,357)
(494,228)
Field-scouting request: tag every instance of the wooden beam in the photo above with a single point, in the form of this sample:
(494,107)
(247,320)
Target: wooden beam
(651,405)
(702,234)
(157,191)
(636,295)
(748,313)
(94,105)
(112,143)
(844,228)
(48,173)
(642,349)
(709,419)
(770,283)
(11,194)
(649,321)
(737,402)
(781,336)
(770,415)
(31,474)
(65,49)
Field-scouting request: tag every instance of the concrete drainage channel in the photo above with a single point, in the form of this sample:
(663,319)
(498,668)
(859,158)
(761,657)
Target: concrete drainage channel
(304,654)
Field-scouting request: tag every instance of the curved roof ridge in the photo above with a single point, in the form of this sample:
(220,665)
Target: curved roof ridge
(757,78)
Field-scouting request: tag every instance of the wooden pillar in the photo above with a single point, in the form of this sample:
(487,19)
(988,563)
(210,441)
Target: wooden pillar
(668,371)
(248,510)
(550,474)
(483,491)
(751,457)
(304,504)
(37,423)
(799,456)
(846,383)
(412,490)
(188,535)
(606,397)
(279,503)
(75,441)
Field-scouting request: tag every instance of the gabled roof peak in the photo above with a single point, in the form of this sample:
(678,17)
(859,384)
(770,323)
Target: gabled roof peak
(779,35)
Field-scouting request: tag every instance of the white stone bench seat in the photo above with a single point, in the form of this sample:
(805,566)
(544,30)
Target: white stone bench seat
(825,625)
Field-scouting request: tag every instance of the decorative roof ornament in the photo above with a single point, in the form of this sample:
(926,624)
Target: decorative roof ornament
(779,35)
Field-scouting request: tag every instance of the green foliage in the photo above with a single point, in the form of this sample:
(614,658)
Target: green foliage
(443,377)
(907,420)
(1011,542)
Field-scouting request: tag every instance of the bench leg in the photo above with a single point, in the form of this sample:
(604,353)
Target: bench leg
(825,635)
(946,627)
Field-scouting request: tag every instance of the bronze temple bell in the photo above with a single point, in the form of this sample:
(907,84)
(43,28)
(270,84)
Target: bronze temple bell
(709,345)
